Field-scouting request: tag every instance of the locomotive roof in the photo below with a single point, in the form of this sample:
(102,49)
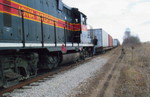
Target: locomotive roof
(70,8)
(67,6)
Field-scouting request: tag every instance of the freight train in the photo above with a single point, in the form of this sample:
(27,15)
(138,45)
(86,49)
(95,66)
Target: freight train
(40,34)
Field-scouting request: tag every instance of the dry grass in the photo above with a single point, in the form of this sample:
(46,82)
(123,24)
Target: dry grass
(135,76)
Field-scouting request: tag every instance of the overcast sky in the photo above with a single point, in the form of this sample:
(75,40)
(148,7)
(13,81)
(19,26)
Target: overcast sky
(114,16)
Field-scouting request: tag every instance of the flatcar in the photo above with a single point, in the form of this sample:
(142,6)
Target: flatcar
(39,34)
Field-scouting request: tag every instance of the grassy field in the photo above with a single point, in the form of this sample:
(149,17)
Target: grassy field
(134,80)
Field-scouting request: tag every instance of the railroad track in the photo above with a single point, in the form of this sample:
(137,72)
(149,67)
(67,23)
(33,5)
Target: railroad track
(41,78)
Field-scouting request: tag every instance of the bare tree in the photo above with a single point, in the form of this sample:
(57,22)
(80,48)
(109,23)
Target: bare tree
(130,40)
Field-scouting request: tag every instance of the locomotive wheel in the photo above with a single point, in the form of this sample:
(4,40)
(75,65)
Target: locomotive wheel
(48,61)
(53,61)
(82,55)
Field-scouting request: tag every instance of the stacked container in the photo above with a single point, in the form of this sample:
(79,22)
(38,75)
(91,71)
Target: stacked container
(115,42)
(102,37)
(110,39)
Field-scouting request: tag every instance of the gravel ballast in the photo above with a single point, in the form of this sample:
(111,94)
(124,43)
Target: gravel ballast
(62,85)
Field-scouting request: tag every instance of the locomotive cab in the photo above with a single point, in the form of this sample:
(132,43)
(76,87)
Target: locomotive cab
(86,35)
(80,21)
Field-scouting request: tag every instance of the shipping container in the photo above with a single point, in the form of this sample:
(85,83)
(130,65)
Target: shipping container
(105,38)
(115,42)
(110,40)
(102,37)
(98,34)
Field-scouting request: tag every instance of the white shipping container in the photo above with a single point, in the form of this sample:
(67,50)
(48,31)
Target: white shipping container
(102,37)
(105,38)
(98,34)
(115,42)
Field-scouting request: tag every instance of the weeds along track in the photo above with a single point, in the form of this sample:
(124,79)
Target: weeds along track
(134,78)
(43,77)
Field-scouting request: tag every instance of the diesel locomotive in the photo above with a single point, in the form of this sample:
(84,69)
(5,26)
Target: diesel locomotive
(39,34)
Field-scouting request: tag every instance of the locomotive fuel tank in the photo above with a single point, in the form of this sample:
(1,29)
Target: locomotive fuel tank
(72,57)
